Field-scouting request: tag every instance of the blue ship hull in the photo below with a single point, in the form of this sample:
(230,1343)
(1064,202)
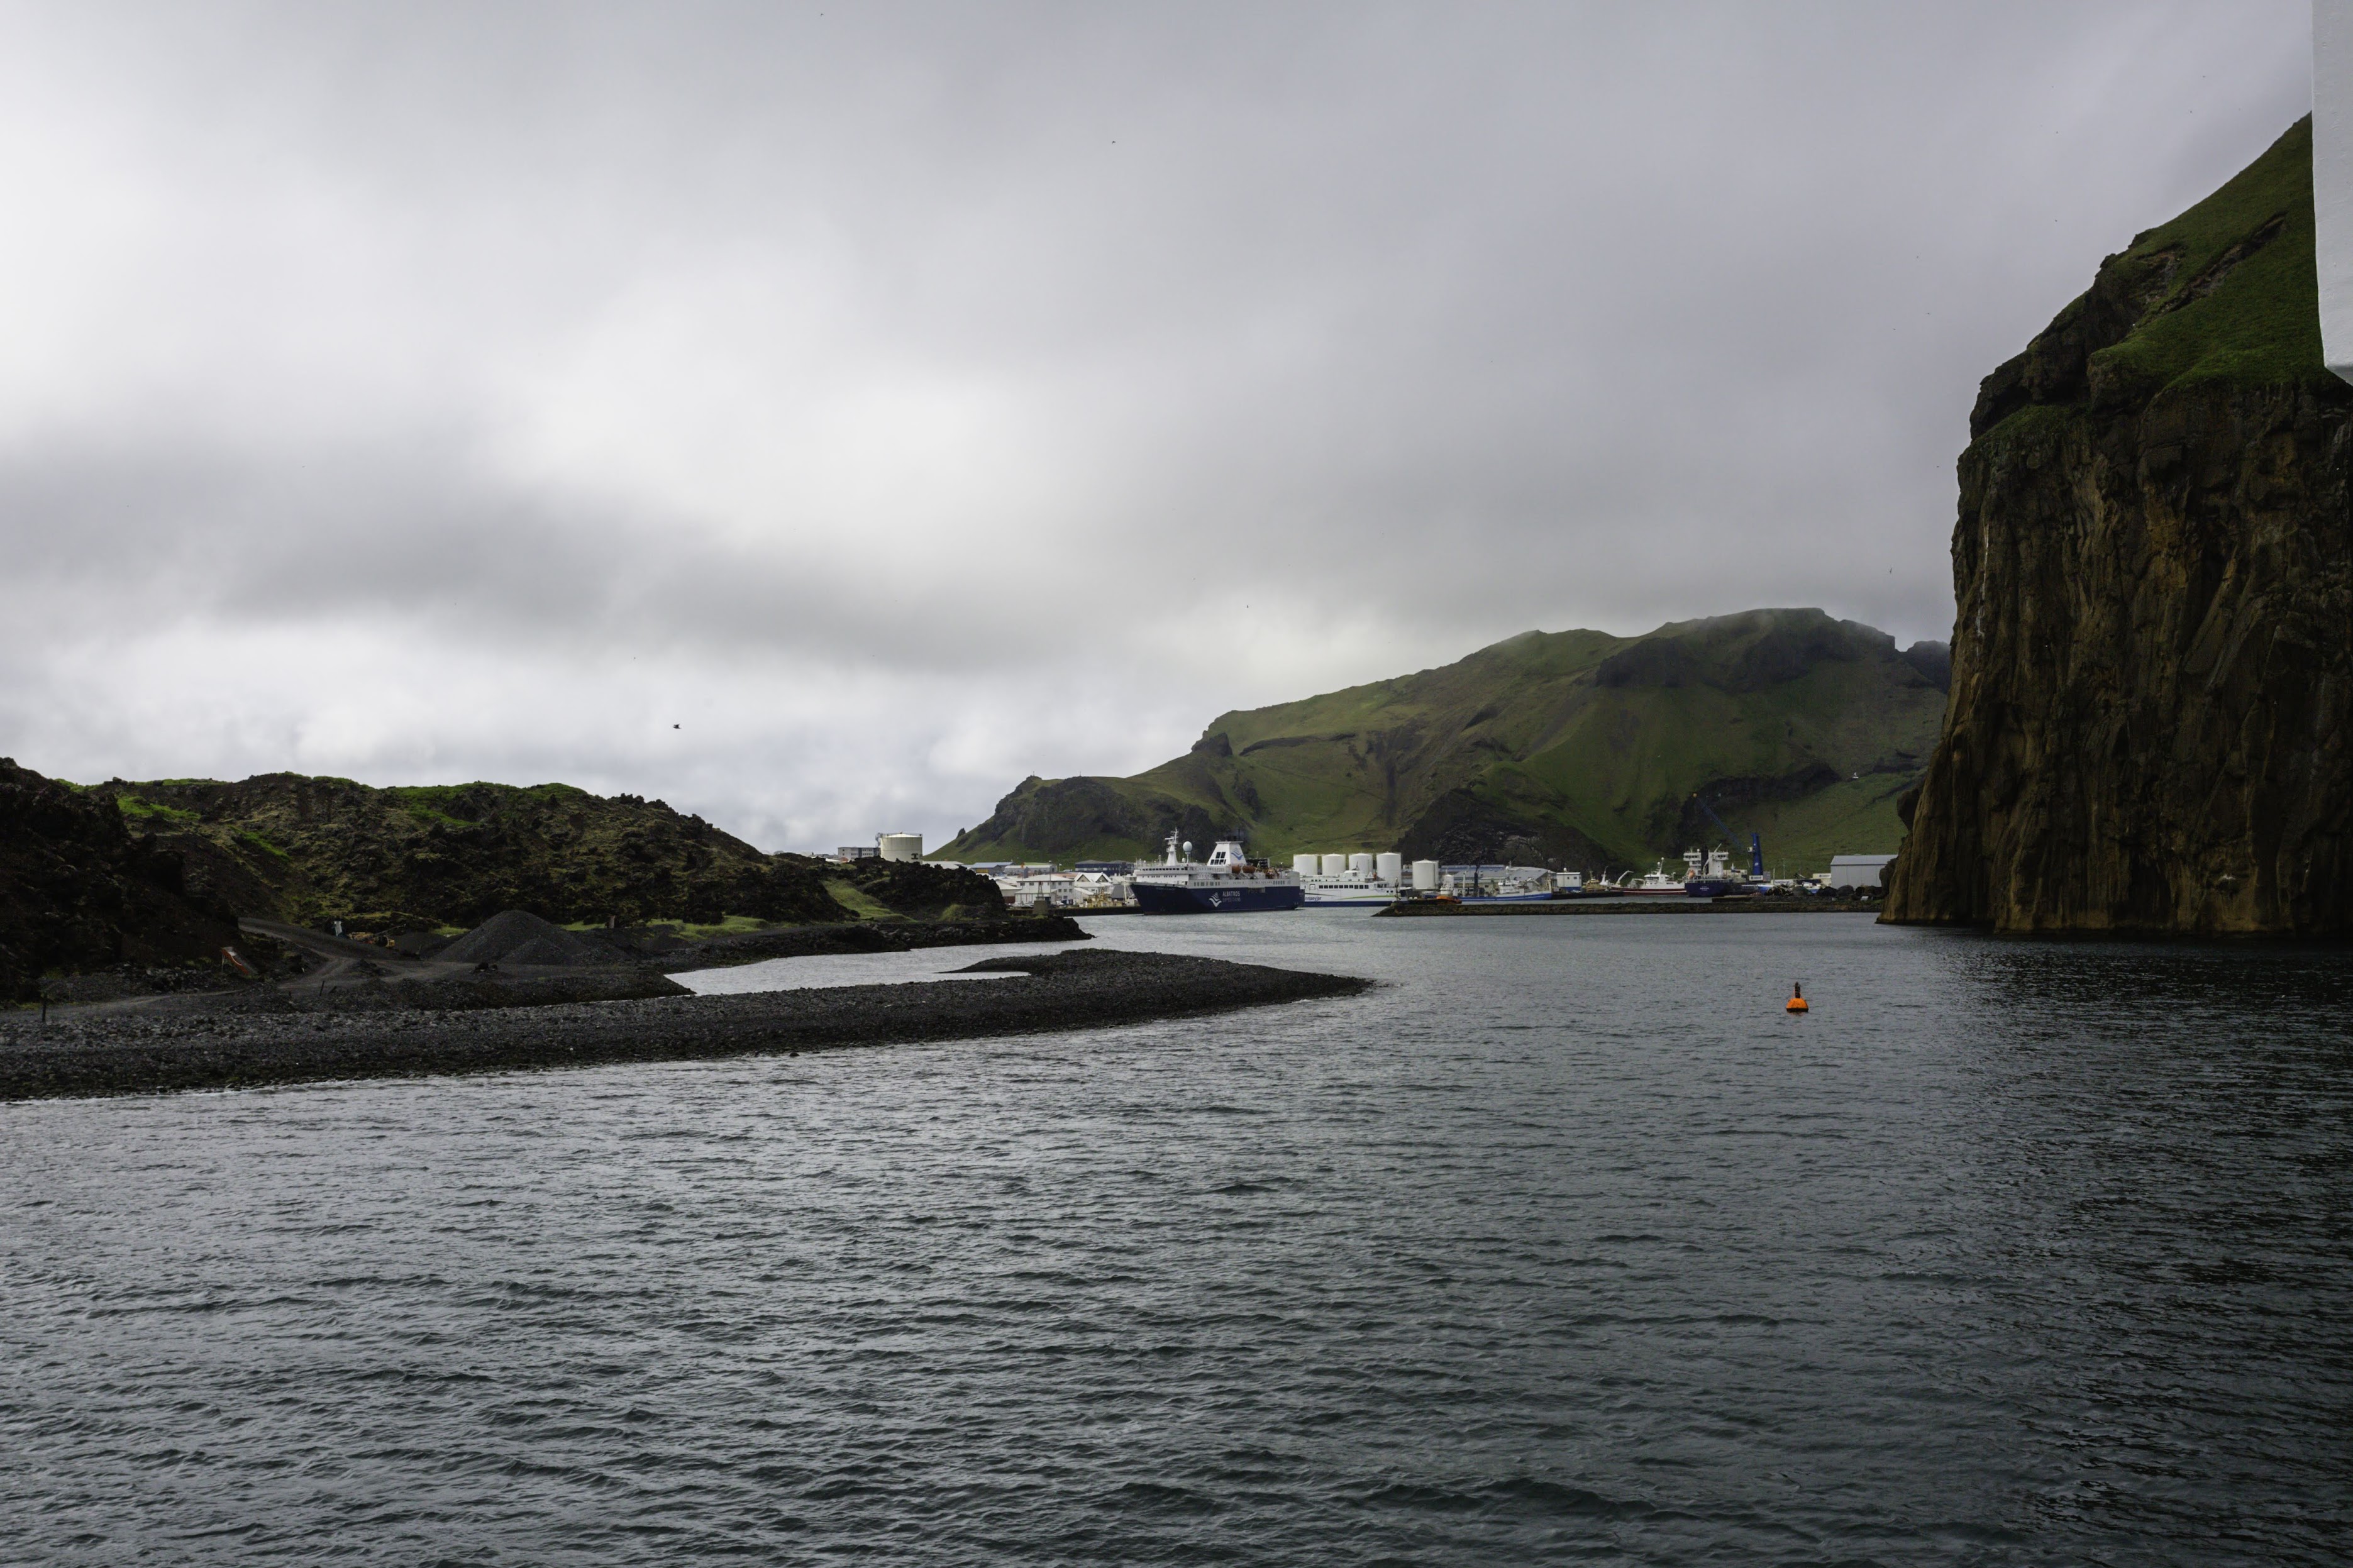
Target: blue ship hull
(1163,901)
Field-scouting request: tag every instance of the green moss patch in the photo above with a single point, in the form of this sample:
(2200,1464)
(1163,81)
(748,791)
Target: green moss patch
(858,904)
(148,812)
(428,803)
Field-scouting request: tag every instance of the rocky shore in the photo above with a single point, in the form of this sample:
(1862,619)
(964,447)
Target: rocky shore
(144,1052)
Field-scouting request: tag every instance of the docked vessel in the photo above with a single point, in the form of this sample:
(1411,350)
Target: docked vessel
(1716,879)
(1340,881)
(1498,884)
(1225,883)
(1656,884)
(1708,876)
(1348,887)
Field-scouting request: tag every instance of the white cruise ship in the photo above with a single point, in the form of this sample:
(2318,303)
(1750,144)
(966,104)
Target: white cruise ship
(1341,880)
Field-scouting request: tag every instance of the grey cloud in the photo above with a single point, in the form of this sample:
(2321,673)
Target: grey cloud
(976,349)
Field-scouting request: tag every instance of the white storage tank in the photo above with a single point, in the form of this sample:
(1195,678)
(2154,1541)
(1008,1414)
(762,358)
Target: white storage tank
(900,845)
(1388,865)
(1362,865)
(1305,865)
(1425,875)
(1336,864)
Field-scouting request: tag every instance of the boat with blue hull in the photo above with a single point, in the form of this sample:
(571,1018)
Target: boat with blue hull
(1226,883)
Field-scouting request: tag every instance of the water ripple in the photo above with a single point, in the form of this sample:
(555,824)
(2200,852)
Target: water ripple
(1564,1245)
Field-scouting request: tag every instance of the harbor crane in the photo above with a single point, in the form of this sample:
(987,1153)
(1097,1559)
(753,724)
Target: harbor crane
(1755,843)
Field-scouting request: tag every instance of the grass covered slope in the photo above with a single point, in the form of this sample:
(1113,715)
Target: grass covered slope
(308,850)
(2226,294)
(1576,746)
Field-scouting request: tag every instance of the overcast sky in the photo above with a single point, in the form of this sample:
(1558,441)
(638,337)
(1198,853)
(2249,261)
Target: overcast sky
(821,417)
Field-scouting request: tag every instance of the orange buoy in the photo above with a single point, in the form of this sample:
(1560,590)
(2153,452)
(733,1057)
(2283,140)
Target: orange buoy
(1797,999)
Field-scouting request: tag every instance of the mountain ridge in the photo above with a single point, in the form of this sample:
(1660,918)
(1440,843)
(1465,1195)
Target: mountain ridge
(1577,747)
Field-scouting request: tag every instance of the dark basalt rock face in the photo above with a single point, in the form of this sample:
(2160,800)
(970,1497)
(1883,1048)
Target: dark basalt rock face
(79,891)
(926,891)
(2152,661)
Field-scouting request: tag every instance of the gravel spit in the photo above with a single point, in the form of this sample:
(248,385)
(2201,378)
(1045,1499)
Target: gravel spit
(138,1053)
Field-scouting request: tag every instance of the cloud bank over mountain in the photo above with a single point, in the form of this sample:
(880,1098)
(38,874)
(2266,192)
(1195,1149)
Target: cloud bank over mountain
(818,418)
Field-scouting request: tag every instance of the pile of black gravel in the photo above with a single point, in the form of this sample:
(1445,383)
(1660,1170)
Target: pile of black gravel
(518,938)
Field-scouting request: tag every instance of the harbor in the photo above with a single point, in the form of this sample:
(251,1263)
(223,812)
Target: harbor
(1231,880)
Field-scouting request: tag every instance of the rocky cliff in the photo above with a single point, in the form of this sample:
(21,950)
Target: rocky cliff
(2153,649)
(80,890)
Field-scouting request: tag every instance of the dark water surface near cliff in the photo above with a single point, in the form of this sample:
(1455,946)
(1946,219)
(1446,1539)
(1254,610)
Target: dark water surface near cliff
(1568,1246)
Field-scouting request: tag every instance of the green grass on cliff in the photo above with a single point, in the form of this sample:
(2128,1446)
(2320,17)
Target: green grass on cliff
(858,903)
(429,804)
(2260,325)
(309,850)
(150,813)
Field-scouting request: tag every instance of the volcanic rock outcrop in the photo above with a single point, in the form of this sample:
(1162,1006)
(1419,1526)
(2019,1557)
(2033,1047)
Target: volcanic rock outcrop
(310,850)
(2153,650)
(79,890)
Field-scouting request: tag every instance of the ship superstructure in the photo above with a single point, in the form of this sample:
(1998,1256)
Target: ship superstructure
(1225,883)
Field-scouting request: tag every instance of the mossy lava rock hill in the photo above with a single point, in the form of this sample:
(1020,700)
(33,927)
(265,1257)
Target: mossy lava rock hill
(80,890)
(309,850)
(2153,567)
(1579,747)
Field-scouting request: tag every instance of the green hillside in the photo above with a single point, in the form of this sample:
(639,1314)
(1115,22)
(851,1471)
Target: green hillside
(313,849)
(1576,748)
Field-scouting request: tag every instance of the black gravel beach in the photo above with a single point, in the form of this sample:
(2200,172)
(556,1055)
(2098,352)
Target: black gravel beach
(137,1052)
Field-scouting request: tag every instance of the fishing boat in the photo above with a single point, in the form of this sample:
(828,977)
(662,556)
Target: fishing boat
(1497,884)
(1655,884)
(1716,879)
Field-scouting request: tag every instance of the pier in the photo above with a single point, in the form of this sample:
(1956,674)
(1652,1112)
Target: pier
(1426,908)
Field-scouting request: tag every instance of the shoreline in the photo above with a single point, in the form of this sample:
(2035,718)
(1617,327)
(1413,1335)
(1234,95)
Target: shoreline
(1425,908)
(143,1053)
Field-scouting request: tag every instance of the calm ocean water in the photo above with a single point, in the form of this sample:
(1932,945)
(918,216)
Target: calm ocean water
(1564,1246)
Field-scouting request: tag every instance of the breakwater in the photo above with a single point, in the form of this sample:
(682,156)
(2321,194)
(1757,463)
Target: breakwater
(1430,908)
(132,1052)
